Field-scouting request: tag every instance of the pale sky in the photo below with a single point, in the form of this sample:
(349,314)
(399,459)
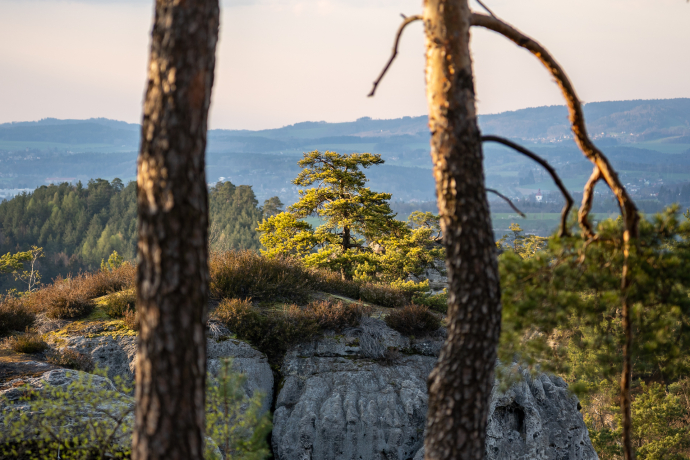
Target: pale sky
(286,61)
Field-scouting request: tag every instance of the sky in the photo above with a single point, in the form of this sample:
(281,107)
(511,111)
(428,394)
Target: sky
(285,61)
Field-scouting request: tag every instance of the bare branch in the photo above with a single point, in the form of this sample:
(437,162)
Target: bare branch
(586,207)
(628,209)
(486,8)
(404,24)
(522,214)
(568,199)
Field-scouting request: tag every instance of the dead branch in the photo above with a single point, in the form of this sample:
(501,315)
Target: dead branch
(586,207)
(495,192)
(486,8)
(568,199)
(404,24)
(577,120)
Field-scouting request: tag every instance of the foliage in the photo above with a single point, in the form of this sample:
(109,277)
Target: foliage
(117,304)
(236,424)
(413,320)
(73,418)
(12,262)
(79,226)
(71,359)
(359,237)
(661,423)
(437,302)
(246,274)
(31,277)
(561,312)
(114,261)
(234,214)
(525,246)
(274,331)
(13,315)
(29,342)
(90,418)
(387,295)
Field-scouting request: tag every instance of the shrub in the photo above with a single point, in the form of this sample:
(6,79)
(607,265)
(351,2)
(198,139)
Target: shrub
(413,319)
(246,274)
(117,304)
(333,283)
(71,298)
(71,359)
(131,319)
(29,342)
(273,332)
(14,315)
(383,294)
(337,315)
(437,302)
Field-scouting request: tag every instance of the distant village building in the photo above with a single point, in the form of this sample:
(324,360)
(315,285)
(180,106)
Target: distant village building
(538,196)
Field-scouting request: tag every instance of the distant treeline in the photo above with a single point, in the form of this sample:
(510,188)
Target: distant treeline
(78,226)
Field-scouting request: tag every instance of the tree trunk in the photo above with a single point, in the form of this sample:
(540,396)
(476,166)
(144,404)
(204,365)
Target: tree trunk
(172,197)
(460,384)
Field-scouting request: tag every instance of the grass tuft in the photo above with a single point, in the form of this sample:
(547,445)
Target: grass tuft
(29,342)
(71,359)
(412,320)
(14,316)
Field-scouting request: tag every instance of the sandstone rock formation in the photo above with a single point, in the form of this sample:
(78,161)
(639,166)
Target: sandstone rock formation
(337,402)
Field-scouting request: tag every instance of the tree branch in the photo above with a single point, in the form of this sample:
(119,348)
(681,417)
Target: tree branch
(586,207)
(404,24)
(628,209)
(568,199)
(507,200)
(486,8)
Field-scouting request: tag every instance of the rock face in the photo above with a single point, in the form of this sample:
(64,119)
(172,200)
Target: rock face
(537,419)
(337,403)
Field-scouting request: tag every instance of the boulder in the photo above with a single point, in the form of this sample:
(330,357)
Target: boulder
(362,395)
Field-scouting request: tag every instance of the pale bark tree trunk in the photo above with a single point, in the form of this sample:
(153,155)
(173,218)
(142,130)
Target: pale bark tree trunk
(172,252)
(460,384)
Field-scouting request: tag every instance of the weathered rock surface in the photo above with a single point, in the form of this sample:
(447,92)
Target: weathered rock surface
(337,402)
(116,353)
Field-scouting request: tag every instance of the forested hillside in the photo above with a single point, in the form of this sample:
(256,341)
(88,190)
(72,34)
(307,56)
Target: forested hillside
(79,226)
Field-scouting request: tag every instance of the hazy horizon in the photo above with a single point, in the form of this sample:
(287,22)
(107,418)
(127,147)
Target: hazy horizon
(284,62)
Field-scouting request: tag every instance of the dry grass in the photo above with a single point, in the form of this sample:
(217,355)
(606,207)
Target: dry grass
(72,297)
(413,320)
(29,342)
(71,359)
(131,319)
(273,332)
(14,316)
(246,274)
(377,293)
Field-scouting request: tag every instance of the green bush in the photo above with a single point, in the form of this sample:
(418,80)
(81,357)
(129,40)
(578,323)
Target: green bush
(437,302)
(382,294)
(413,320)
(29,342)
(246,274)
(14,315)
(332,282)
(116,305)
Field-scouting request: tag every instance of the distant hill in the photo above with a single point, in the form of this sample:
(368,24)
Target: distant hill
(648,141)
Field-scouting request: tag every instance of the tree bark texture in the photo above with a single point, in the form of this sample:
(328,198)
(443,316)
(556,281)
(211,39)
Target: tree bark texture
(172,197)
(461,383)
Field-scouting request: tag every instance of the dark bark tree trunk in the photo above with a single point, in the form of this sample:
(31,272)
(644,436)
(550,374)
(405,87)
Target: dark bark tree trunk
(460,384)
(172,197)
